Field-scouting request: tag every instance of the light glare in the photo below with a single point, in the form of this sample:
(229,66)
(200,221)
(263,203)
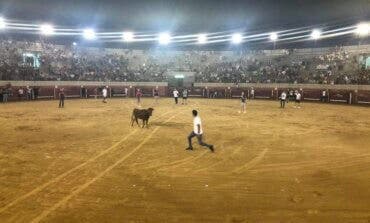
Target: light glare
(363,29)
(47,29)
(164,38)
(237,38)
(128,36)
(202,38)
(89,34)
(316,34)
(2,23)
(273,36)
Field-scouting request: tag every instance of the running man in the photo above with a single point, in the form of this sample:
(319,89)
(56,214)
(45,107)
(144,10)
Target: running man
(282,99)
(197,132)
(176,96)
(243,103)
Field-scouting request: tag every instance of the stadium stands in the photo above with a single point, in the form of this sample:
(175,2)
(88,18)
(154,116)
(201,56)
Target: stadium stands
(40,61)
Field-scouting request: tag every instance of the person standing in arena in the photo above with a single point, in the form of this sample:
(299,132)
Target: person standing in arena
(156,95)
(252,93)
(176,96)
(197,132)
(105,94)
(20,93)
(126,92)
(185,96)
(243,103)
(298,97)
(138,96)
(282,99)
(61,98)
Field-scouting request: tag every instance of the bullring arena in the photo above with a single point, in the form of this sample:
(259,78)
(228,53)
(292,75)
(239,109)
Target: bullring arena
(85,163)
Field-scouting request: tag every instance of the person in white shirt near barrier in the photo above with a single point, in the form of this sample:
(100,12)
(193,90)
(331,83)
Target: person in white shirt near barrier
(298,98)
(176,96)
(282,99)
(105,94)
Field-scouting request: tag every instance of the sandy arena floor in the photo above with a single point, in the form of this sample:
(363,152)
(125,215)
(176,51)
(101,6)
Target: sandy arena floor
(85,163)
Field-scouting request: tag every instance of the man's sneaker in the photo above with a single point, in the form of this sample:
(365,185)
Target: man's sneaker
(189,148)
(211,148)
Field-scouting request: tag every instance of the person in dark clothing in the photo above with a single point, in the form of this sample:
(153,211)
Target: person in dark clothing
(61,98)
(36,92)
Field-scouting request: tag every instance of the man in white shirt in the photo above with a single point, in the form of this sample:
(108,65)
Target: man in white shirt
(252,94)
(324,96)
(197,132)
(282,99)
(126,92)
(298,97)
(176,95)
(105,94)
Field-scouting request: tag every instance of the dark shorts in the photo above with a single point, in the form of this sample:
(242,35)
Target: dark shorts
(298,101)
(185,98)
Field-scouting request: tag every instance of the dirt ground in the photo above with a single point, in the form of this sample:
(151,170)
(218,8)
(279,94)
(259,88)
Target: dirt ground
(85,163)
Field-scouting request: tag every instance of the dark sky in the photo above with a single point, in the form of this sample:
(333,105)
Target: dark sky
(188,15)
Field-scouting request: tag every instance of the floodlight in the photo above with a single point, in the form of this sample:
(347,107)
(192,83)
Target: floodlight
(316,34)
(2,23)
(128,36)
(202,38)
(363,29)
(89,34)
(164,38)
(273,36)
(47,29)
(236,38)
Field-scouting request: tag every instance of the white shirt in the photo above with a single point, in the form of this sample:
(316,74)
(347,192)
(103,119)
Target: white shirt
(175,93)
(197,121)
(283,96)
(105,92)
(324,93)
(298,96)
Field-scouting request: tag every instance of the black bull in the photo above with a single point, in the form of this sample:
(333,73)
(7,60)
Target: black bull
(143,114)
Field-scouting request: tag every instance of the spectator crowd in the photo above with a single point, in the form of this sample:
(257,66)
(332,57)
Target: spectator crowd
(22,60)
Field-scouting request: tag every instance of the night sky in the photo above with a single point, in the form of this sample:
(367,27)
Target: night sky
(188,16)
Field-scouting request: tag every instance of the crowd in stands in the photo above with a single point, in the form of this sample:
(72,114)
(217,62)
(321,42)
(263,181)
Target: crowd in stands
(45,61)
